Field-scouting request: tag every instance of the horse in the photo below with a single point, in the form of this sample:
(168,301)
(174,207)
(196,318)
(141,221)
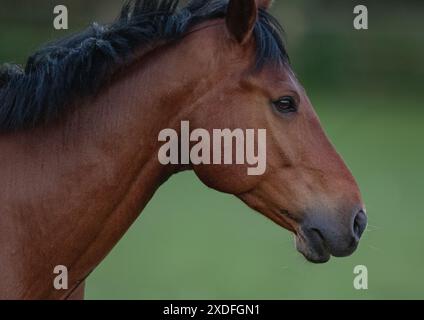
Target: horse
(79,141)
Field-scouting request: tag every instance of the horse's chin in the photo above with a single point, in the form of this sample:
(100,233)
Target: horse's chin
(312,247)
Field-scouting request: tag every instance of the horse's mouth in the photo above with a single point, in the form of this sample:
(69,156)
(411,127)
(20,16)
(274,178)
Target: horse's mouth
(312,246)
(309,242)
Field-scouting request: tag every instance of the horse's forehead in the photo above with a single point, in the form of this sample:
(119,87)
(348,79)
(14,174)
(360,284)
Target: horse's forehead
(276,76)
(279,73)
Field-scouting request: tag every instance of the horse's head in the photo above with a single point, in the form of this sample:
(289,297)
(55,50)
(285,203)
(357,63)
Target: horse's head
(306,187)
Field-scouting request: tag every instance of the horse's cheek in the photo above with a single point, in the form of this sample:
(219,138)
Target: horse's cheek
(231,179)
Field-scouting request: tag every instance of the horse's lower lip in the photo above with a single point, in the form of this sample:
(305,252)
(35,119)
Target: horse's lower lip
(312,246)
(320,259)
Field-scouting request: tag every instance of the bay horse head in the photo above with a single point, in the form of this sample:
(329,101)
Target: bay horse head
(307,188)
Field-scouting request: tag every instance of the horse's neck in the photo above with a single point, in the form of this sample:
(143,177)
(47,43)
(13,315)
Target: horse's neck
(74,189)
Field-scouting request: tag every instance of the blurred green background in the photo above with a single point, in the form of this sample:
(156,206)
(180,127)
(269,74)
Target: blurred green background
(367,86)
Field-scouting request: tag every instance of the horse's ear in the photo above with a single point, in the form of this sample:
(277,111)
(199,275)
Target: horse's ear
(241,19)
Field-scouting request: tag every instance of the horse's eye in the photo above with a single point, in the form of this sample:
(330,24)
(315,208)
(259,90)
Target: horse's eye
(285,105)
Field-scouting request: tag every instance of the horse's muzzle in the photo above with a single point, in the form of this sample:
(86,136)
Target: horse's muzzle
(318,239)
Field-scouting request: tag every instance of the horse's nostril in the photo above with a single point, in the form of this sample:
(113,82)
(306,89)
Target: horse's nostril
(360,223)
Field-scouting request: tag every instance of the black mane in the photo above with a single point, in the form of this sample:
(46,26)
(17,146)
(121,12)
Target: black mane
(78,66)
